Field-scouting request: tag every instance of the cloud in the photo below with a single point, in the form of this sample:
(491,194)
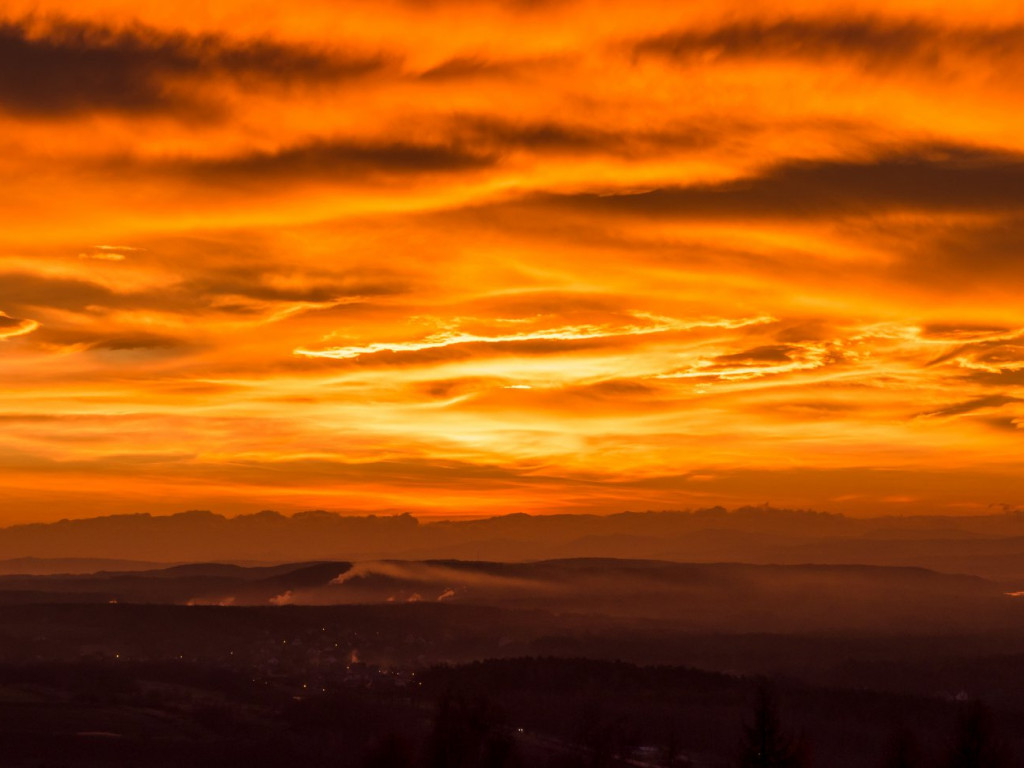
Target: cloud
(139,341)
(777,353)
(982,252)
(35,290)
(247,290)
(988,352)
(970,406)
(459,145)
(12,326)
(938,179)
(649,325)
(53,67)
(109,252)
(565,137)
(879,45)
(469,67)
(759,362)
(326,160)
(1003,423)
(288,284)
(961,332)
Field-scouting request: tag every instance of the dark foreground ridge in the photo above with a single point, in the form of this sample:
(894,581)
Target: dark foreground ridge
(566,663)
(436,686)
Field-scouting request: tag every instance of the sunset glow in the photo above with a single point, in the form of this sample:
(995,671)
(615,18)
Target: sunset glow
(459,258)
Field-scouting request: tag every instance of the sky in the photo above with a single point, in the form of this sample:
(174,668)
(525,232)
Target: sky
(469,258)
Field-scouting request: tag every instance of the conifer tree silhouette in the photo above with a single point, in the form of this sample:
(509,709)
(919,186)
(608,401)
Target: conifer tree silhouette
(766,743)
(976,744)
(903,751)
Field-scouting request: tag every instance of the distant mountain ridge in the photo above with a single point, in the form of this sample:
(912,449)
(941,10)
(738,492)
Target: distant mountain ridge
(989,545)
(695,596)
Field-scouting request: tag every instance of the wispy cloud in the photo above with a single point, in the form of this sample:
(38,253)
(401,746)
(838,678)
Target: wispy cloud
(652,325)
(12,326)
(764,361)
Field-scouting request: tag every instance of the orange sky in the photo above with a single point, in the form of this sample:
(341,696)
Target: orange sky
(457,257)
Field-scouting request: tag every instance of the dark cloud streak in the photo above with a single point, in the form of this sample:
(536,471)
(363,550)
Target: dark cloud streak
(332,160)
(926,178)
(959,409)
(876,44)
(60,67)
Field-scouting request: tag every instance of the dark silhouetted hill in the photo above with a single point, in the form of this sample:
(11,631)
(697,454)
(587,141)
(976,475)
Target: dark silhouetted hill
(724,597)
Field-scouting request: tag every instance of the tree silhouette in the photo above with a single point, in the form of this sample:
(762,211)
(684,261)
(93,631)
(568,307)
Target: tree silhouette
(672,756)
(903,751)
(469,735)
(976,744)
(604,737)
(390,752)
(766,744)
